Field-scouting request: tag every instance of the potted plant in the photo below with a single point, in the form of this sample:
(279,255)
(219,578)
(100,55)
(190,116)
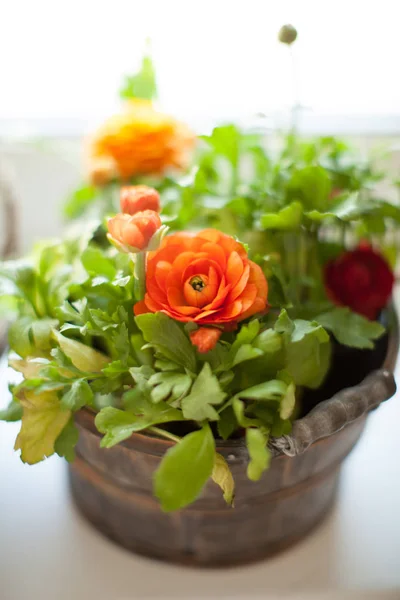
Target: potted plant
(168,371)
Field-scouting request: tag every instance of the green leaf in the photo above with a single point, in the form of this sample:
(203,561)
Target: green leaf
(268,390)
(67,440)
(260,456)
(287,218)
(41,333)
(83,357)
(284,324)
(185,469)
(225,141)
(312,186)
(239,412)
(96,263)
(288,402)
(205,393)
(222,476)
(169,385)
(269,341)
(79,201)
(307,360)
(246,352)
(227,423)
(79,394)
(118,425)
(351,329)
(12,413)
(43,419)
(19,337)
(142,84)
(304,328)
(168,338)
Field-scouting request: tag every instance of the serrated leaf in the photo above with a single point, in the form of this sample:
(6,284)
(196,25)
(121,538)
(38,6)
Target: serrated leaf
(30,369)
(351,329)
(169,385)
(185,469)
(43,419)
(79,394)
(206,393)
(167,337)
(260,456)
(222,476)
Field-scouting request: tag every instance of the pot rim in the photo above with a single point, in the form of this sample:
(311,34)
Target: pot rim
(86,415)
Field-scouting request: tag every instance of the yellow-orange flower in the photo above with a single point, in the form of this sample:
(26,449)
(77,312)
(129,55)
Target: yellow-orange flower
(134,231)
(139,140)
(135,198)
(205,277)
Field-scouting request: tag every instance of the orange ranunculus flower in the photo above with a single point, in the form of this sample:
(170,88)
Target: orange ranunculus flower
(140,140)
(204,277)
(134,232)
(205,338)
(135,198)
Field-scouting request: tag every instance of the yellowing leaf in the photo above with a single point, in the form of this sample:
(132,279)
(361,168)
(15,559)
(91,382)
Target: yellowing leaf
(83,357)
(43,419)
(29,368)
(222,476)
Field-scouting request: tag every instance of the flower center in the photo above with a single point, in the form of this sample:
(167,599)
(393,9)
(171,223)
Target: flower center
(197,283)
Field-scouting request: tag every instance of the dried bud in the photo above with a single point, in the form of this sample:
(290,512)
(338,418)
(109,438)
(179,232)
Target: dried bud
(287,34)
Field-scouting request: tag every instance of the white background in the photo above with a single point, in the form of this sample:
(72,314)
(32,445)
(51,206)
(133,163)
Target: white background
(213,57)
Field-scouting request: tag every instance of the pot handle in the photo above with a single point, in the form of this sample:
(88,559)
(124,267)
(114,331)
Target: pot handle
(332,415)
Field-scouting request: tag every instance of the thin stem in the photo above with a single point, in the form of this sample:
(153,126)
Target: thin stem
(162,433)
(296,95)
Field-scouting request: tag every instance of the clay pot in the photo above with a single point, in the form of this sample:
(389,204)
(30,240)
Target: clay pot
(113,487)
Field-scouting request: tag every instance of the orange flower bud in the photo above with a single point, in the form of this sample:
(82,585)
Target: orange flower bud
(136,198)
(205,338)
(134,232)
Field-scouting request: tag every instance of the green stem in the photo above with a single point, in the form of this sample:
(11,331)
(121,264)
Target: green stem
(139,261)
(162,433)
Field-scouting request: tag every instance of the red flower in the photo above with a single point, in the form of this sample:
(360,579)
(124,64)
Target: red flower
(136,198)
(205,338)
(360,279)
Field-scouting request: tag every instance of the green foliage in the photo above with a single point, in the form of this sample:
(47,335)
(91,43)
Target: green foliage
(222,476)
(350,328)
(185,469)
(205,394)
(259,454)
(168,339)
(142,84)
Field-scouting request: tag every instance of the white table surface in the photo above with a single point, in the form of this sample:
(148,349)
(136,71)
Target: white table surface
(49,552)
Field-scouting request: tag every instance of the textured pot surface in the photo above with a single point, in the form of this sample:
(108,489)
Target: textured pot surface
(113,487)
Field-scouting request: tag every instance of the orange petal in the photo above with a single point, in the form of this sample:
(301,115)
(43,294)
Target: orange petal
(258,306)
(241,284)
(205,338)
(234,268)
